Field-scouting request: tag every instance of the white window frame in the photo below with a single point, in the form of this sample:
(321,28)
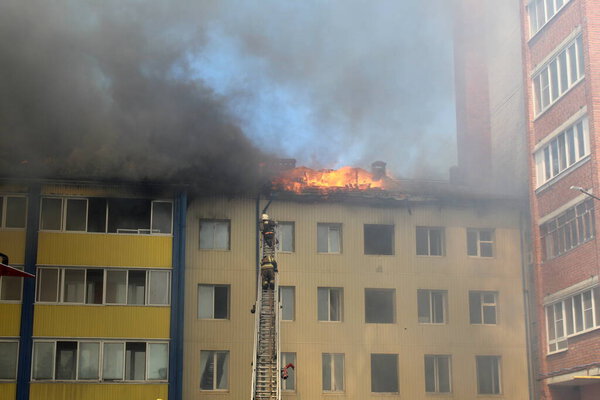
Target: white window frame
(565,146)
(284,361)
(64,201)
(428,230)
(483,304)
(20,267)
(568,319)
(293,290)
(4,210)
(436,372)
(214,380)
(329,290)
(331,227)
(100,349)
(8,340)
(212,287)
(152,202)
(212,247)
(332,372)
(548,15)
(431,293)
(280,236)
(542,78)
(479,242)
(496,379)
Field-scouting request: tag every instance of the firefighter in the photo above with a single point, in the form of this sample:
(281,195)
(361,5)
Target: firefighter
(284,370)
(267,226)
(268,267)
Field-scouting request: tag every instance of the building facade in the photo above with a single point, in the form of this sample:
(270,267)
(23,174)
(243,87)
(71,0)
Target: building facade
(561,39)
(381,298)
(100,320)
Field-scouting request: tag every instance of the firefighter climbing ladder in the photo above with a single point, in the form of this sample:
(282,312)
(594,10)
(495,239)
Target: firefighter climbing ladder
(265,370)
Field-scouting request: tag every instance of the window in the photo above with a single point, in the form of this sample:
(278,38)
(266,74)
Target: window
(379,239)
(480,242)
(572,316)
(80,360)
(482,307)
(329,238)
(330,303)
(333,372)
(432,306)
(214,234)
(288,306)
(213,301)
(380,306)
(103,286)
(384,373)
(437,374)
(488,374)
(285,236)
(288,384)
(430,241)
(562,152)
(13,212)
(560,74)
(11,288)
(214,367)
(106,215)
(568,230)
(9,354)
(542,11)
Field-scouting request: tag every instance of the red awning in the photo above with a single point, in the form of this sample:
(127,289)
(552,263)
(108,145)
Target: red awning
(7,270)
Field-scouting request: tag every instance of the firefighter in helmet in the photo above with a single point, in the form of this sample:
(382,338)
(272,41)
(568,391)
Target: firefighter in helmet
(268,267)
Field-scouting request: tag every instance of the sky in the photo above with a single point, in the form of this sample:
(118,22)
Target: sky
(146,88)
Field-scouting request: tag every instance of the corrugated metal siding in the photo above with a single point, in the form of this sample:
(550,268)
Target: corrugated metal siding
(354,271)
(88,391)
(101,321)
(98,190)
(8,391)
(10,319)
(104,250)
(13,245)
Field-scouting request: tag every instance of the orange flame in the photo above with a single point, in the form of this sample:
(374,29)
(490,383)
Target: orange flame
(346,178)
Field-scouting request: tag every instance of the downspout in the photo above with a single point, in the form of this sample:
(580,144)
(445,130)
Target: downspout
(526,304)
(27,308)
(177,299)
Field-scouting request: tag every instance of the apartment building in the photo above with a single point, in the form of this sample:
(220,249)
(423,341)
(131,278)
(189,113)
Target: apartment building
(410,295)
(100,320)
(561,39)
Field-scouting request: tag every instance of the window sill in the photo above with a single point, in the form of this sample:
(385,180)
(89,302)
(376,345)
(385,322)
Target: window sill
(562,174)
(572,336)
(558,351)
(431,255)
(106,233)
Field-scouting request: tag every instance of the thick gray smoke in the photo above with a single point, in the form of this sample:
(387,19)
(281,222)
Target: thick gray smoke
(145,89)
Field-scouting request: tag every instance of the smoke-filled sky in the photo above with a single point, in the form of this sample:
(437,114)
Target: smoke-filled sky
(151,88)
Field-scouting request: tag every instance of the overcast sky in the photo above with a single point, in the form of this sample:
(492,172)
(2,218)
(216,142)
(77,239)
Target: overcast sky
(330,83)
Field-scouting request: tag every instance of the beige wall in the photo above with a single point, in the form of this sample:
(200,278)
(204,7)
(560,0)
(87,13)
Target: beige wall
(405,272)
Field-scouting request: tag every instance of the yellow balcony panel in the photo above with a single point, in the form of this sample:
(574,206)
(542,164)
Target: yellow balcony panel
(98,391)
(98,249)
(8,391)
(79,321)
(10,324)
(12,243)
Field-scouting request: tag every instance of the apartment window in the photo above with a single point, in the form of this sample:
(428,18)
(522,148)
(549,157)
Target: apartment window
(438,374)
(106,215)
(80,360)
(214,234)
(482,307)
(379,239)
(562,152)
(380,306)
(103,286)
(329,238)
(572,316)
(568,230)
(288,303)
(9,354)
(384,373)
(432,306)
(288,384)
(213,301)
(430,241)
(13,212)
(330,303)
(285,236)
(542,11)
(488,375)
(214,367)
(11,288)
(333,372)
(480,242)
(559,75)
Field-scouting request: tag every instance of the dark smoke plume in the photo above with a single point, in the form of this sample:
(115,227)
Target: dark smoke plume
(98,89)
